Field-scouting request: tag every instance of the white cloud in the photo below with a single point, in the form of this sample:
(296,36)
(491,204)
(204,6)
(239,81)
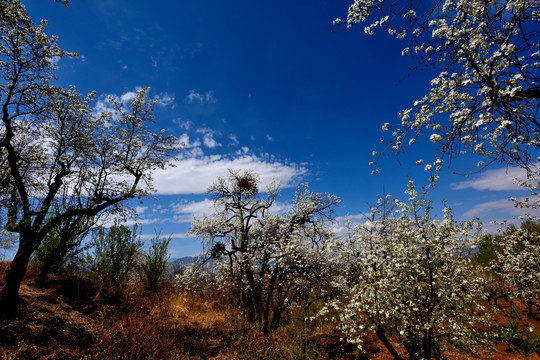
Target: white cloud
(54,60)
(207,97)
(195,153)
(269,138)
(185,211)
(141,221)
(103,104)
(128,96)
(140,209)
(193,175)
(187,143)
(159,209)
(339,226)
(165,99)
(174,236)
(494,180)
(208,138)
(186,125)
(281,207)
(234,140)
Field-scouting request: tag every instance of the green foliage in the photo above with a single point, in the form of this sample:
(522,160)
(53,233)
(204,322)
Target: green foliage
(519,337)
(155,264)
(63,246)
(487,250)
(531,226)
(522,339)
(490,246)
(114,253)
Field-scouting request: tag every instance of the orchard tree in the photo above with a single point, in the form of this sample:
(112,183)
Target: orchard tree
(486,97)
(267,260)
(517,260)
(56,152)
(414,282)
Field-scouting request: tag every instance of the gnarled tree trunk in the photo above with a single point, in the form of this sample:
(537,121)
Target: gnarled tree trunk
(9,293)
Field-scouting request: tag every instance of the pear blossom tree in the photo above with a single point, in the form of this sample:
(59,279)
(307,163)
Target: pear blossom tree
(486,97)
(267,260)
(62,160)
(517,260)
(414,285)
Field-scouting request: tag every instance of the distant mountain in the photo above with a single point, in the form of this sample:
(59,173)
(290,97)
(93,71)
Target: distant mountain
(182,261)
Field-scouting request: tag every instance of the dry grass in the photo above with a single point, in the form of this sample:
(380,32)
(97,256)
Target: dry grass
(73,318)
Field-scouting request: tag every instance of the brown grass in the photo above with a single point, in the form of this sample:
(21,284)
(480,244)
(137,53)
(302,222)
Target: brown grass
(73,318)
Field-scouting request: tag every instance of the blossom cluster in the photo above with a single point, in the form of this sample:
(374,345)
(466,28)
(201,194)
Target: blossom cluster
(410,278)
(485,99)
(518,261)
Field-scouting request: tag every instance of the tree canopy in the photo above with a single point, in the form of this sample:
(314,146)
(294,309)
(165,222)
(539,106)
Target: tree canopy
(56,151)
(268,260)
(413,282)
(486,97)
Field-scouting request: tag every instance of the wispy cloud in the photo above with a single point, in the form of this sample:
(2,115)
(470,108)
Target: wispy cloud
(103,104)
(234,140)
(54,60)
(193,175)
(154,62)
(502,206)
(186,125)
(269,138)
(207,97)
(140,209)
(173,236)
(165,99)
(129,95)
(186,211)
(494,180)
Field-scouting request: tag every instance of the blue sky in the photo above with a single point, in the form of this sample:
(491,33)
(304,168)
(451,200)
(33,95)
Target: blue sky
(272,87)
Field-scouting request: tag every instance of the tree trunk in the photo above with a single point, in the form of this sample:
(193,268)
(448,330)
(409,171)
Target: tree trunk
(426,345)
(382,336)
(530,308)
(9,294)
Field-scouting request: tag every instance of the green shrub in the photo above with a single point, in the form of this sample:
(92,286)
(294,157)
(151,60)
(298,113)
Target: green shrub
(62,248)
(153,269)
(114,253)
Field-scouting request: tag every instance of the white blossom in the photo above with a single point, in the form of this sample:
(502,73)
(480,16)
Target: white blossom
(407,274)
(486,97)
